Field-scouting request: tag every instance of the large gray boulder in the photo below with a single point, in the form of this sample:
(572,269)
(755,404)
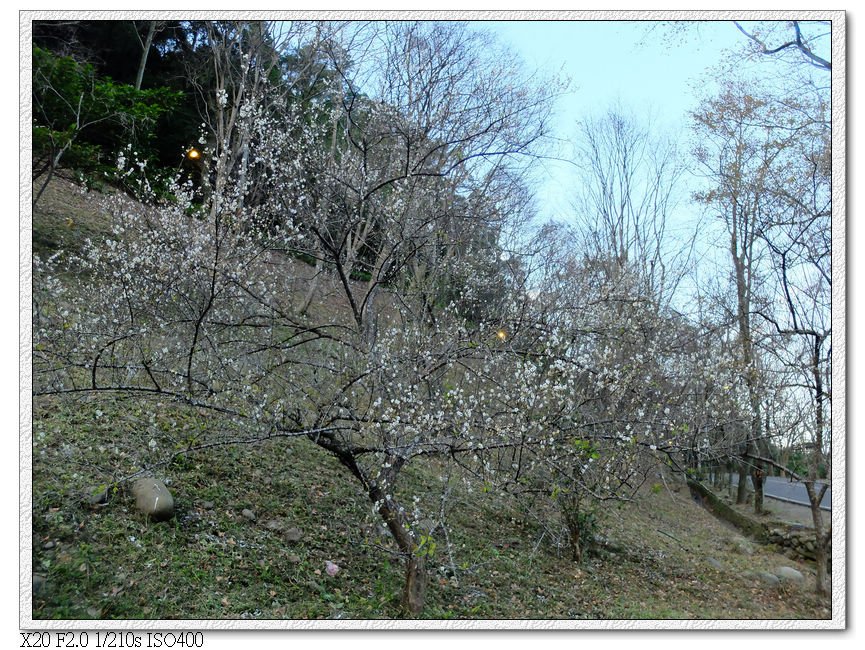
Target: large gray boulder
(769,578)
(789,574)
(153,499)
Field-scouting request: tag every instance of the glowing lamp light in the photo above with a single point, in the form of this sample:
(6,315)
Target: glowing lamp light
(193,154)
(502,335)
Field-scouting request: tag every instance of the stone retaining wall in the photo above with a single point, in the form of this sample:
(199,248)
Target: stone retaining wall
(797,540)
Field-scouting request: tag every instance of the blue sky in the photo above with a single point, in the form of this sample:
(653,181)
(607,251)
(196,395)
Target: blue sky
(610,62)
(607,60)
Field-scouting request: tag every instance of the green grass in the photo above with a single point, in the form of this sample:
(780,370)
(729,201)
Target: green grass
(212,563)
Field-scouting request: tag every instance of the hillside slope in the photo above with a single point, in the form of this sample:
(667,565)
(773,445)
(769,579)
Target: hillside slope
(257,524)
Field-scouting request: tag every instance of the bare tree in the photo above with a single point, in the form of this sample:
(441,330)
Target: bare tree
(805,38)
(152,28)
(801,260)
(628,188)
(767,159)
(737,147)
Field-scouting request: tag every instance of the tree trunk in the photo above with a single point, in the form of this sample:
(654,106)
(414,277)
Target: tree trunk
(414,591)
(757,477)
(576,549)
(145,51)
(742,488)
(822,582)
(311,288)
(822,539)
(55,162)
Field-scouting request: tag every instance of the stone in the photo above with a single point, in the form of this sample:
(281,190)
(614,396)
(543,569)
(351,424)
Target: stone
(153,499)
(769,578)
(98,497)
(714,563)
(249,514)
(274,524)
(789,574)
(47,546)
(208,505)
(293,535)
(38,583)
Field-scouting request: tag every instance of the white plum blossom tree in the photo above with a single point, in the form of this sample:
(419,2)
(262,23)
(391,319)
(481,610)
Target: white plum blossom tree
(198,299)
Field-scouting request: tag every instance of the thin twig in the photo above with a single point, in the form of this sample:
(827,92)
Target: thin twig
(674,539)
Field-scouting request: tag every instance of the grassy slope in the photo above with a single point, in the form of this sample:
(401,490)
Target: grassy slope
(106,561)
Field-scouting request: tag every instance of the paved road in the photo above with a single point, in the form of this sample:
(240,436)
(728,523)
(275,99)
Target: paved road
(792,491)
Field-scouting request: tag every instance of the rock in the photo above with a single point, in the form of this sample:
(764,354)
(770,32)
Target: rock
(294,559)
(249,514)
(153,499)
(47,546)
(207,505)
(715,564)
(98,497)
(789,574)
(769,578)
(38,583)
(293,535)
(274,524)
